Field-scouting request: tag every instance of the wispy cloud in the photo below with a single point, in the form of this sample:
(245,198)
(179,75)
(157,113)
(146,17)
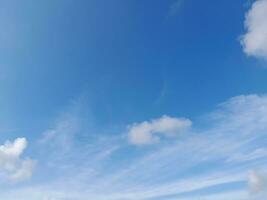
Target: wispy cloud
(179,169)
(62,134)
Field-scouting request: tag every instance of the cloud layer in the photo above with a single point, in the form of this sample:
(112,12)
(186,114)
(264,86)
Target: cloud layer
(255,40)
(216,161)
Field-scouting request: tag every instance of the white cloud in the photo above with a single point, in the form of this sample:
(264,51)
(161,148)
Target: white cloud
(257,182)
(197,162)
(11,164)
(255,40)
(149,132)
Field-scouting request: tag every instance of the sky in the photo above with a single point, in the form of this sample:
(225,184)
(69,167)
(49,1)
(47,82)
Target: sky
(133,100)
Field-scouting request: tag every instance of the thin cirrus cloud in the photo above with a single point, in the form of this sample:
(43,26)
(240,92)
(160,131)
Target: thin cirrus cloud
(170,171)
(151,132)
(62,133)
(254,41)
(11,164)
(167,172)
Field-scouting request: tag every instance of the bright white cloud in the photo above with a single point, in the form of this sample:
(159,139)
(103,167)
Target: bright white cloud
(11,163)
(151,132)
(255,40)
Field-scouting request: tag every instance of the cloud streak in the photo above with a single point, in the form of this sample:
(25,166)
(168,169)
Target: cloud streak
(220,155)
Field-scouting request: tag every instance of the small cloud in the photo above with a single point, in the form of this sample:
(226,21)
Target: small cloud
(11,163)
(254,42)
(257,182)
(175,7)
(149,132)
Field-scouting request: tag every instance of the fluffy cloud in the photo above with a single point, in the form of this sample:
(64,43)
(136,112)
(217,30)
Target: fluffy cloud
(11,163)
(258,184)
(255,40)
(149,132)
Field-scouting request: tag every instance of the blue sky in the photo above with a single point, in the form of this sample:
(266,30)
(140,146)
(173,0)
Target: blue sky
(133,100)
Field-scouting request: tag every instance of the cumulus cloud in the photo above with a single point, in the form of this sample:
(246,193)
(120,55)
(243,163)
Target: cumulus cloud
(11,163)
(151,132)
(254,42)
(257,182)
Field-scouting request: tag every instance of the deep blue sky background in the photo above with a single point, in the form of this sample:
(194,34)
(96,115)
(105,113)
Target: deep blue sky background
(183,64)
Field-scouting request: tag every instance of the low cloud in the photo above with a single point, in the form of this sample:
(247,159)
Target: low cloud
(150,132)
(254,42)
(11,163)
(257,182)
